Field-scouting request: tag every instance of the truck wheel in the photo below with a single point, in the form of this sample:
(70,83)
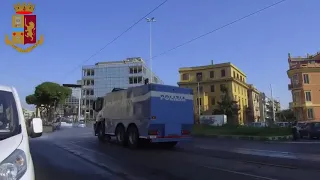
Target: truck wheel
(121,136)
(133,137)
(101,132)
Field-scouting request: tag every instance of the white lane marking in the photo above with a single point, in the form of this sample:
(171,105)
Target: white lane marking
(240,173)
(267,151)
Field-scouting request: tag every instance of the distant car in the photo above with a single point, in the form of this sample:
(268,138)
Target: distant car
(310,130)
(82,123)
(66,122)
(283,124)
(56,125)
(258,124)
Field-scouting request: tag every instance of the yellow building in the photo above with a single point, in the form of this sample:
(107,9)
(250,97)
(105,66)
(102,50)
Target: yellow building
(211,78)
(254,104)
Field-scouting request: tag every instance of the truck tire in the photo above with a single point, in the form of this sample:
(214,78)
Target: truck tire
(121,136)
(133,137)
(101,132)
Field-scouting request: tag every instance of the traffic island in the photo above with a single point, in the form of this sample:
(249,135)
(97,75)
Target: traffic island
(243,133)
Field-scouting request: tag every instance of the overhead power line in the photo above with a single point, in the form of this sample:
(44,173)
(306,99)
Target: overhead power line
(219,28)
(121,34)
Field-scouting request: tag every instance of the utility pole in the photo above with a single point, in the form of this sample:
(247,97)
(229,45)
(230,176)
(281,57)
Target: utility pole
(199,78)
(199,103)
(150,21)
(79,104)
(273,111)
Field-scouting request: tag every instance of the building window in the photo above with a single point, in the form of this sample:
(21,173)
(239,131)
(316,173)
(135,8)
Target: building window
(294,79)
(234,74)
(222,86)
(185,77)
(223,73)
(213,101)
(135,69)
(296,97)
(306,78)
(198,99)
(212,88)
(199,76)
(310,113)
(237,76)
(211,74)
(308,95)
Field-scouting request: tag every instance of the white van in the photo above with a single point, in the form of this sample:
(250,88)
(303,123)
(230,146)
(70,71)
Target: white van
(15,158)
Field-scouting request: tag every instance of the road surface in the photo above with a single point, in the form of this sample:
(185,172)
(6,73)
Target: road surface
(74,153)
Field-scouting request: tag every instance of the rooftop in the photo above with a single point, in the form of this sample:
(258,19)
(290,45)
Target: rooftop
(126,61)
(308,57)
(211,66)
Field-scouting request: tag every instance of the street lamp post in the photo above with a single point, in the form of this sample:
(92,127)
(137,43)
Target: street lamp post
(150,21)
(79,105)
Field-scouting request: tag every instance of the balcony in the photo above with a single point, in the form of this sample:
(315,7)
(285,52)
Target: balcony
(294,86)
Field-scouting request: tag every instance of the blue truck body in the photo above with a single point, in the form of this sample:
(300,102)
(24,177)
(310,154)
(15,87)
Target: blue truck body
(160,113)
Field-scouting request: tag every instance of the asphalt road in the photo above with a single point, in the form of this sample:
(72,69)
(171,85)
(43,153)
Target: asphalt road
(75,153)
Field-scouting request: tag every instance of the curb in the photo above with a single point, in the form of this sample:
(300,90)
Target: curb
(254,138)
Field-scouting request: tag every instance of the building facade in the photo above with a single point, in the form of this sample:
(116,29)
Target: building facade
(71,104)
(211,79)
(101,78)
(266,110)
(304,75)
(254,104)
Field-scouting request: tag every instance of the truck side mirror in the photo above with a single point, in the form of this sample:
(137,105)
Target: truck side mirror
(146,81)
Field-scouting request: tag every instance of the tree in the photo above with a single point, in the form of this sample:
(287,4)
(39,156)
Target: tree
(47,96)
(228,107)
(286,115)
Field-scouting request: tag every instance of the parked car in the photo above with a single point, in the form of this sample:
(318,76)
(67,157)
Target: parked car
(258,124)
(310,129)
(283,124)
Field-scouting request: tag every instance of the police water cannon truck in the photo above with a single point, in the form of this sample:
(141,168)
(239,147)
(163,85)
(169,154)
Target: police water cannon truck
(151,113)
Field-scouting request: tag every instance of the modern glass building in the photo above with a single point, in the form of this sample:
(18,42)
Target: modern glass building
(71,104)
(101,78)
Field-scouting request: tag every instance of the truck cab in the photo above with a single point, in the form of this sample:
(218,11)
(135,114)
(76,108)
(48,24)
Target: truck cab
(15,158)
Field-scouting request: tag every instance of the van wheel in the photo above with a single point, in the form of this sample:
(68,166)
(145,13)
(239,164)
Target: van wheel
(121,136)
(101,132)
(133,137)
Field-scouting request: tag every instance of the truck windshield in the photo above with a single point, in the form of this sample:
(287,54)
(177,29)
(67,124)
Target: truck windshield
(9,121)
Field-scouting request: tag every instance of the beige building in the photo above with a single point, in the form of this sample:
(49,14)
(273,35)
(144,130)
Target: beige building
(254,105)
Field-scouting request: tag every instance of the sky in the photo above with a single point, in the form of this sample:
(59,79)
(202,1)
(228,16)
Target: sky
(75,30)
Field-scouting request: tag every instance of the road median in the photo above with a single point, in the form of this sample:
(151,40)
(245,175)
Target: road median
(243,133)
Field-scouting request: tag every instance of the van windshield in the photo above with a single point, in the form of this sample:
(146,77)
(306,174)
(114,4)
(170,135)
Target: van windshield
(9,121)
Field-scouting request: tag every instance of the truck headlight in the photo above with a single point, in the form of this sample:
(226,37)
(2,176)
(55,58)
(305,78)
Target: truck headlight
(14,166)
